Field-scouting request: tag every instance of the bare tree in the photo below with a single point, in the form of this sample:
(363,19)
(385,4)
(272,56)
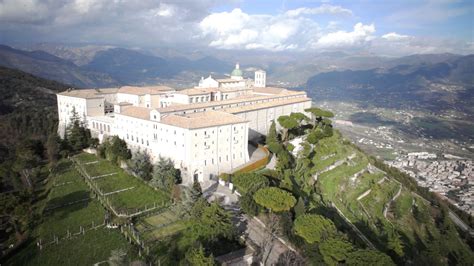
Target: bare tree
(269,237)
(290,258)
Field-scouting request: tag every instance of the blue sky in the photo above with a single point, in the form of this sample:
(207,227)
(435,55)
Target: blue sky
(382,27)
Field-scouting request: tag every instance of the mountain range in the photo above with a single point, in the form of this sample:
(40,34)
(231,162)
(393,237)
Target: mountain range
(434,83)
(106,66)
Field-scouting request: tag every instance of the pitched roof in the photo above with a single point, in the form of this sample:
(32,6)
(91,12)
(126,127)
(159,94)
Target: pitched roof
(240,99)
(88,93)
(196,91)
(145,90)
(250,107)
(136,112)
(201,119)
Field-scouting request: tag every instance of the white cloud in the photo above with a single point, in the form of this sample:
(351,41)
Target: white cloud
(360,35)
(151,23)
(393,36)
(23,11)
(239,30)
(323,9)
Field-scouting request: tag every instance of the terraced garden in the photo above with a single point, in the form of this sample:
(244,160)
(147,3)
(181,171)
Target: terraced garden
(155,227)
(370,199)
(72,230)
(124,192)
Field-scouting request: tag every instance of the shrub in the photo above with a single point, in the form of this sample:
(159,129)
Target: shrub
(249,181)
(274,199)
(314,228)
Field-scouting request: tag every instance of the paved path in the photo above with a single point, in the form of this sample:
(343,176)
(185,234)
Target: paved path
(253,230)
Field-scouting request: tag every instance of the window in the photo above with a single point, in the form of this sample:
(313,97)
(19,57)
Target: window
(204,162)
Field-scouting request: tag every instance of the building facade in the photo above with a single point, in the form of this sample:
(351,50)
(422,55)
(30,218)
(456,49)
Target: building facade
(205,130)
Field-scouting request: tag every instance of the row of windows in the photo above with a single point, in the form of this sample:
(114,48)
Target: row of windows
(220,131)
(137,139)
(199,99)
(220,159)
(101,127)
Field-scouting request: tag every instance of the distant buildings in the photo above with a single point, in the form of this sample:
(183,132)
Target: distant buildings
(453,179)
(205,130)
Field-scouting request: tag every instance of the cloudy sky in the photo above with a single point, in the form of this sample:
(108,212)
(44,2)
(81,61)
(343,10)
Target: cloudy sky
(390,27)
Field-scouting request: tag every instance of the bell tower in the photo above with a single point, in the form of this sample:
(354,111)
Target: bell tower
(260,79)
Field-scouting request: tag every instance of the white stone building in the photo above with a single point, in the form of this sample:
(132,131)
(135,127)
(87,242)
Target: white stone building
(205,130)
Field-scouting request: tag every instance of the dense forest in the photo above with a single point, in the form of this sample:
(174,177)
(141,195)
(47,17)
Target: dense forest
(28,146)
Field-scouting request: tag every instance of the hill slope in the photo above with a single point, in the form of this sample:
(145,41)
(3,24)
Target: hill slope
(28,105)
(434,87)
(48,66)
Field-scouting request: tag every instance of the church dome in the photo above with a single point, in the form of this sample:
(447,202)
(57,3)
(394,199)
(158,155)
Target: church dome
(236,72)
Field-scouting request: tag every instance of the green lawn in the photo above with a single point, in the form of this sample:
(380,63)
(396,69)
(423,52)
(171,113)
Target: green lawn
(92,247)
(67,187)
(117,181)
(335,183)
(127,201)
(58,221)
(379,196)
(139,197)
(86,157)
(161,225)
(100,168)
(165,231)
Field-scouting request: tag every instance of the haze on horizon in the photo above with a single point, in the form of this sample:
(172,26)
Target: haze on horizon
(390,28)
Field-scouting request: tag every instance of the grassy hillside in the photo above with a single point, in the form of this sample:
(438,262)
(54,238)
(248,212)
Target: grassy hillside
(372,206)
(72,229)
(378,204)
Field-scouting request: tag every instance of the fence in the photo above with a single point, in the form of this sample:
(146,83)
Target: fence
(105,201)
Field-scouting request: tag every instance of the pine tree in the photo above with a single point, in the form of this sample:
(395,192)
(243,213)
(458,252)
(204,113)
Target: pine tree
(272,134)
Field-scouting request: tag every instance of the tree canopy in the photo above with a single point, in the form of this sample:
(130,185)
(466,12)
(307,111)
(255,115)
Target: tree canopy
(197,257)
(314,228)
(212,222)
(299,117)
(272,136)
(335,251)
(319,112)
(165,176)
(288,123)
(115,150)
(274,199)
(249,181)
(368,257)
(141,166)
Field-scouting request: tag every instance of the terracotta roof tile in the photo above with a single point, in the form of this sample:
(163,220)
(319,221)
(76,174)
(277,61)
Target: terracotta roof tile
(201,119)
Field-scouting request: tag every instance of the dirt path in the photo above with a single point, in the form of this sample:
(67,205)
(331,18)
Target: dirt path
(387,206)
